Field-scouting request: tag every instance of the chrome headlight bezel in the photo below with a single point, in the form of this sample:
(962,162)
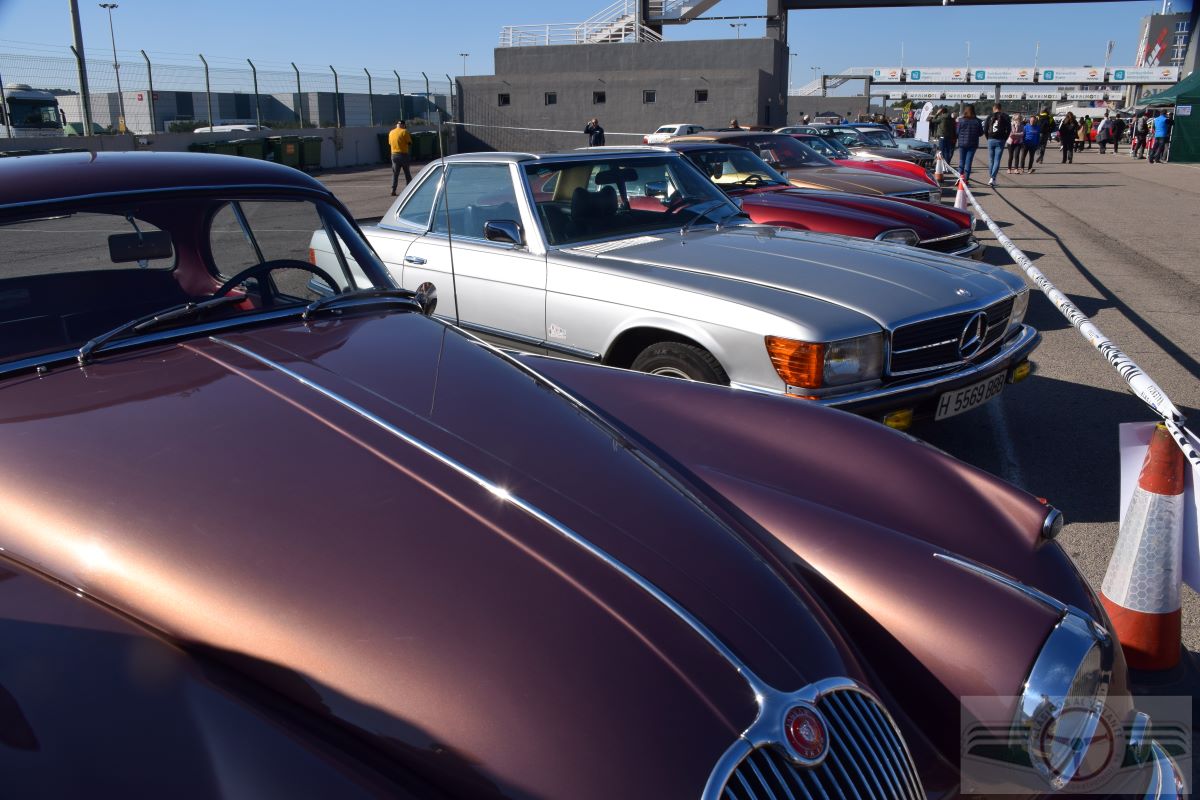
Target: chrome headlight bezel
(900,236)
(854,360)
(1067,685)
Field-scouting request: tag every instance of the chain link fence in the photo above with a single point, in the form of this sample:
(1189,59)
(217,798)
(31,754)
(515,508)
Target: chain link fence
(147,94)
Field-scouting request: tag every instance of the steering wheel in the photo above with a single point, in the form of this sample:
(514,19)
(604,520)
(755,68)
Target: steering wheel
(753,179)
(677,201)
(261,270)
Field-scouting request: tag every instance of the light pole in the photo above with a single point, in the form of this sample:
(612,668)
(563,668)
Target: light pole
(737,27)
(968,57)
(464,58)
(816,71)
(110,7)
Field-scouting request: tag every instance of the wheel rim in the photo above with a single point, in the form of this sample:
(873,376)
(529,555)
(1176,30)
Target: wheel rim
(671,372)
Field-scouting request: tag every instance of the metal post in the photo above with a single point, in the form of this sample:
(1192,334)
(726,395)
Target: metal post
(4,109)
(116,64)
(208,93)
(399,92)
(299,98)
(257,101)
(337,93)
(81,65)
(370,96)
(150,96)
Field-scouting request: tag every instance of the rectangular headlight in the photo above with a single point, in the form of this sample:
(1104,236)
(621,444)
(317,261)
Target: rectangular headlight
(1020,306)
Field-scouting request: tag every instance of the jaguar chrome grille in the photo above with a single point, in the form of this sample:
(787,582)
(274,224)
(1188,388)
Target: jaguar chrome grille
(929,196)
(934,344)
(948,244)
(867,760)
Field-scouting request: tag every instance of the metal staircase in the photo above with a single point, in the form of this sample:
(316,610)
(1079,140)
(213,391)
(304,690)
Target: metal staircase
(616,23)
(813,87)
(677,12)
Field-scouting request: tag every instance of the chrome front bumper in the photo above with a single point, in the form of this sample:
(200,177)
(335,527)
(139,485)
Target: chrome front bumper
(1165,781)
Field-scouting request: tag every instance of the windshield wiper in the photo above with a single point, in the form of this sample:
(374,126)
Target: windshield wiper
(363,297)
(703,210)
(143,324)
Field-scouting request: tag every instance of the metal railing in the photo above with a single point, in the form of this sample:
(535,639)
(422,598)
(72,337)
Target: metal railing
(616,23)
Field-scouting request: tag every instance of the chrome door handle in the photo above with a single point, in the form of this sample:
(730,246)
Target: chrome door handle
(414,260)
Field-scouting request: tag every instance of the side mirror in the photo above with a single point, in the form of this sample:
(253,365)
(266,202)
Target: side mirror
(503,230)
(656,188)
(427,298)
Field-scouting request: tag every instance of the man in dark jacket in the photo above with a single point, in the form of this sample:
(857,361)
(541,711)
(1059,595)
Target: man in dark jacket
(1045,123)
(594,133)
(943,129)
(996,128)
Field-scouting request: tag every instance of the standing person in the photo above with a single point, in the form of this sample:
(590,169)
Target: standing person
(1141,129)
(941,130)
(1102,132)
(1029,143)
(997,129)
(400,143)
(733,125)
(1045,122)
(1087,131)
(1014,143)
(1116,131)
(1162,129)
(1066,136)
(968,132)
(594,132)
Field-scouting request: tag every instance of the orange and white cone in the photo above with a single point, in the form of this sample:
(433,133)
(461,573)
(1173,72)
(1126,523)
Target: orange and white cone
(1142,585)
(960,197)
(937,169)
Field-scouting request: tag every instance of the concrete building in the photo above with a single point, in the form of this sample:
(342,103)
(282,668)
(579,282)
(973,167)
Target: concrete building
(632,87)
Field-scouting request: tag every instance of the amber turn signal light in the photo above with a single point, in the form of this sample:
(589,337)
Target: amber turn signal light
(900,420)
(1020,372)
(798,363)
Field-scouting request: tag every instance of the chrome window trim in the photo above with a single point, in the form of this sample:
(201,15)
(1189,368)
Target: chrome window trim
(134,193)
(947,237)
(404,225)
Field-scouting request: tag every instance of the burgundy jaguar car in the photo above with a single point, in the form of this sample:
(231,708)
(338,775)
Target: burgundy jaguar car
(838,153)
(258,540)
(768,198)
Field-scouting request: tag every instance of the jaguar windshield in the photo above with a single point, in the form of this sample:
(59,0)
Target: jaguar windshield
(622,196)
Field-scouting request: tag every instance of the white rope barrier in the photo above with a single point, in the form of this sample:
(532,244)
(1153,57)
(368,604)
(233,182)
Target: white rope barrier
(1141,384)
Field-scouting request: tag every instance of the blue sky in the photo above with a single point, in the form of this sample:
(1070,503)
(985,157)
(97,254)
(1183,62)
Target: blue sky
(415,35)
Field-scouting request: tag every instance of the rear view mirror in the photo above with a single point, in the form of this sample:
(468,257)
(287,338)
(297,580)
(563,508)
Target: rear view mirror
(506,231)
(656,188)
(148,246)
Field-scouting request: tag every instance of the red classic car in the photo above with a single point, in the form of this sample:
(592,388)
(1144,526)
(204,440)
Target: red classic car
(841,155)
(258,540)
(768,198)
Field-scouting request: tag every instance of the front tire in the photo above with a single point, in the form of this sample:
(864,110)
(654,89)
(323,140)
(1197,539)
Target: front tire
(678,360)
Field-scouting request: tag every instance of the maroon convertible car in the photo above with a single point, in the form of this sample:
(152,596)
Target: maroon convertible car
(767,197)
(259,540)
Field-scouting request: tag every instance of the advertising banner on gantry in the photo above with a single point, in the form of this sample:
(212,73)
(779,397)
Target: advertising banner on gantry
(886,74)
(1071,75)
(1145,75)
(937,75)
(1003,74)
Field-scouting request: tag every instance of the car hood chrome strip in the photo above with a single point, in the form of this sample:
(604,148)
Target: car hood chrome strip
(757,686)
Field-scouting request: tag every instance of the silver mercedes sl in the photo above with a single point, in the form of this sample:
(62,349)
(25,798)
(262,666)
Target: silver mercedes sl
(547,254)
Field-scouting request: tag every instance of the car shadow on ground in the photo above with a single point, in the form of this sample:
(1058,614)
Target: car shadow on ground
(1045,317)
(1076,463)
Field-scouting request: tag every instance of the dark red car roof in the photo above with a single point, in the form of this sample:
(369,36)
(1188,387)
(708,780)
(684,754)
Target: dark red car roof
(28,180)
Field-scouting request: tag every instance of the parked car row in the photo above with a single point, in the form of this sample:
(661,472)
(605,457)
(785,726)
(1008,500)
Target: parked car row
(281,528)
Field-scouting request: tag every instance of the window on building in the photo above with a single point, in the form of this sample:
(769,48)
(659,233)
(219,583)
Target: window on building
(648,95)
(503,99)
(551,98)
(1181,27)
(701,96)
(598,98)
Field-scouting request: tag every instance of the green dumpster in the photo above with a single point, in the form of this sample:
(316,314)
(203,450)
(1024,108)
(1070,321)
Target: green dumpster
(250,148)
(385,149)
(424,146)
(201,147)
(310,153)
(285,150)
(225,148)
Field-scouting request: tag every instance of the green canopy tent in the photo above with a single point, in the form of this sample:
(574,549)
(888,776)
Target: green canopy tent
(1185,96)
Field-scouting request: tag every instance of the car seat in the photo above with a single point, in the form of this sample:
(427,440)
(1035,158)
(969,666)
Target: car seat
(592,212)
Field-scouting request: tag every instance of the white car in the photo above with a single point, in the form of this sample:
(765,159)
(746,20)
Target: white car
(230,128)
(665,132)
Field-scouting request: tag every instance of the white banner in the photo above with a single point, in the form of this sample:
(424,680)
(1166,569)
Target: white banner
(919,95)
(887,74)
(1071,75)
(1002,74)
(896,95)
(1085,95)
(964,95)
(1145,75)
(937,75)
(1134,438)
(1012,95)
(1043,95)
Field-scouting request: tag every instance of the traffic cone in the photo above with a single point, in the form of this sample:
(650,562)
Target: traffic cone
(960,197)
(1142,585)
(938,164)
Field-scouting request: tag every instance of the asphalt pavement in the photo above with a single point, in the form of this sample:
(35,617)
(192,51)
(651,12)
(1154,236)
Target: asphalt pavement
(1120,237)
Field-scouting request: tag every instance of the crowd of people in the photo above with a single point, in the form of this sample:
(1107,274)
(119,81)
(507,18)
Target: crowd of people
(1027,138)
